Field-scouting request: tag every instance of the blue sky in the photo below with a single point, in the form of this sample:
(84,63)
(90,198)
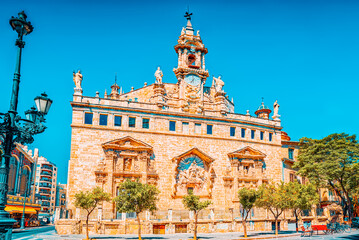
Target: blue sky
(303,53)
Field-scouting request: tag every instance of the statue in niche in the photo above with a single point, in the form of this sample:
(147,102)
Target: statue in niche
(77,79)
(218,84)
(158,75)
(127,164)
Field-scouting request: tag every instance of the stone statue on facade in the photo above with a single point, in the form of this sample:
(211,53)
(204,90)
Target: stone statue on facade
(158,75)
(198,33)
(275,110)
(218,84)
(77,79)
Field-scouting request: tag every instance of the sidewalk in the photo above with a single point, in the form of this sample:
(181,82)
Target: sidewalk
(17,230)
(204,236)
(179,236)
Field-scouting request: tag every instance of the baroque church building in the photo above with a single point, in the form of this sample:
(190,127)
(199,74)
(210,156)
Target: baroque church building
(177,136)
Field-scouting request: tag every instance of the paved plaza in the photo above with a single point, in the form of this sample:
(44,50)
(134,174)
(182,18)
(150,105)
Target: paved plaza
(50,234)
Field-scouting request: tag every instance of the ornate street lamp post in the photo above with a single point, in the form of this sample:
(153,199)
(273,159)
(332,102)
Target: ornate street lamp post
(13,129)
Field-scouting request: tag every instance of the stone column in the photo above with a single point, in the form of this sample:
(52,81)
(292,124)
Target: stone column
(57,213)
(78,214)
(99,213)
(170,215)
(123,215)
(191,215)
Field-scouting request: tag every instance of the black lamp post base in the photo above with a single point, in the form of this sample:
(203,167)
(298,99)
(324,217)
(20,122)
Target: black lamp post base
(6,224)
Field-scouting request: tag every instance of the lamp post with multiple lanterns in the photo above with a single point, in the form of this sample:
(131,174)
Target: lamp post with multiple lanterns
(14,129)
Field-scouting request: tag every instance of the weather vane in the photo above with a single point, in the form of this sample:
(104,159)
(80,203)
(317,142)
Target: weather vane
(187,14)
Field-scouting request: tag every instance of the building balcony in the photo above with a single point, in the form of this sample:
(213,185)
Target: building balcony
(46,173)
(45,180)
(43,185)
(45,193)
(46,167)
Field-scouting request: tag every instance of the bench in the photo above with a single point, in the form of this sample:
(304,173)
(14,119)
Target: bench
(320,228)
(306,232)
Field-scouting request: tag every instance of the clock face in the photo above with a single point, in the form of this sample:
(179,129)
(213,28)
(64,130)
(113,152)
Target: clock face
(193,80)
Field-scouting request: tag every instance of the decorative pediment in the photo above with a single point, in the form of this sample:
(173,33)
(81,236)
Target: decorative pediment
(194,151)
(127,143)
(247,153)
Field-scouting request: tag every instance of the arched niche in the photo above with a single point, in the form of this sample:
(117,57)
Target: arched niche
(193,172)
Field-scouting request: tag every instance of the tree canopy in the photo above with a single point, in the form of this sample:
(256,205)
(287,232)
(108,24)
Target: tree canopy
(331,162)
(302,197)
(137,197)
(134,196)
(192,203)
(274,198)
(247,199)
(89,200)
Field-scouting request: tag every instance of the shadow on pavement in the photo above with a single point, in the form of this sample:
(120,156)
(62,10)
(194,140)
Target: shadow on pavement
(356,236)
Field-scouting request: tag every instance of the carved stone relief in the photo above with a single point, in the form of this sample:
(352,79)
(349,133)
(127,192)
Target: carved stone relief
(193,173)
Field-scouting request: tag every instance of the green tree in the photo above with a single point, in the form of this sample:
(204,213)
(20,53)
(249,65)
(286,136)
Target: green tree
(136,197)
(273,197)
(302,197)
(247,198)
(332,162)
(89,200)
(192,203)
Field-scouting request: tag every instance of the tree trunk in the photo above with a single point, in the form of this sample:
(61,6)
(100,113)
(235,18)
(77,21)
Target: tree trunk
(296,220)
(87,226)
(244,222)
(139,226)
(276,226)
(195,226)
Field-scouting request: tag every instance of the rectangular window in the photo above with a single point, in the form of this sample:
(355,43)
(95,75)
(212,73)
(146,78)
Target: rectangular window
(131,215)
(103,119)
(262,135)
(290,153)
(185,127)
(146,123)
(209,129)
(232,131)
(118,121)
(270,137)
(88,118)
(243,132)
(132,122)
(253,133)
(197,128)
(173,126)
(291,177)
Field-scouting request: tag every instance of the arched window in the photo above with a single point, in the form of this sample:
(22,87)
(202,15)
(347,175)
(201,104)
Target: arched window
(12,175)
(24,179)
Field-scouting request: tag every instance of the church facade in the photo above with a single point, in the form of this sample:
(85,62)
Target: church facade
(179,137)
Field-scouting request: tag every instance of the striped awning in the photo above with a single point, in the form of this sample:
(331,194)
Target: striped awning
(18,209)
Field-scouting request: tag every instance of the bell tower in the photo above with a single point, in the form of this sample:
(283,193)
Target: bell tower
(190,72)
